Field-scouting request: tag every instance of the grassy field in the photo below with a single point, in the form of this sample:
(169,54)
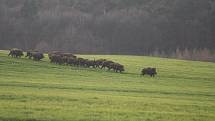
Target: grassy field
(41,91)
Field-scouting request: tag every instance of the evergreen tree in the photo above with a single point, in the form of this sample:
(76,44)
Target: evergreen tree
(30,9)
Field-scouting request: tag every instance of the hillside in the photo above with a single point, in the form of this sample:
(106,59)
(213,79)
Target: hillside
(41,91)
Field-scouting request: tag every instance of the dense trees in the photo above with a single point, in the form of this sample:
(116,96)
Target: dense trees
(142,27)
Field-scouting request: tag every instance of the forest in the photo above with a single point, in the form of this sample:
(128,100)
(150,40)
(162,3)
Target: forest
(183,29)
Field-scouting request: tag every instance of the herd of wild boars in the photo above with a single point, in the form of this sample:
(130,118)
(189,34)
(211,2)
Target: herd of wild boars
(58,57)
(70,59)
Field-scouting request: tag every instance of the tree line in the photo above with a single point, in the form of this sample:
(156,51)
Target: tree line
(168,28)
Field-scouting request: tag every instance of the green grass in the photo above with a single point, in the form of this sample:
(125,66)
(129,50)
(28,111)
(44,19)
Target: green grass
(41,91)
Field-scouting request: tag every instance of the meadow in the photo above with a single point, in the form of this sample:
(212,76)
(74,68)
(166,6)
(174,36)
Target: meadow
(42,91)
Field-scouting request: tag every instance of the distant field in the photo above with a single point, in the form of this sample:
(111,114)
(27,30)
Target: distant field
(41,91)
